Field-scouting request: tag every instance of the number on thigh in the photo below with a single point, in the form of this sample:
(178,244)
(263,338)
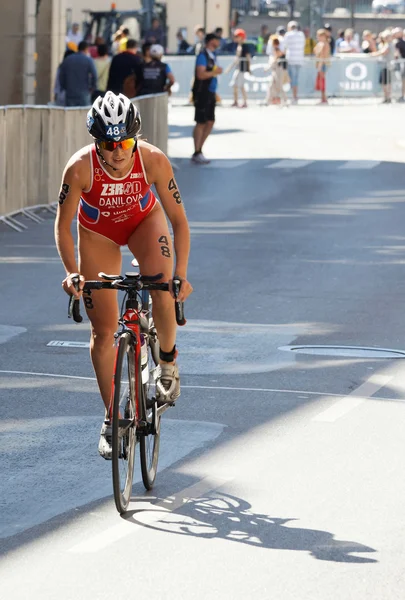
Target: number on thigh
(152,245)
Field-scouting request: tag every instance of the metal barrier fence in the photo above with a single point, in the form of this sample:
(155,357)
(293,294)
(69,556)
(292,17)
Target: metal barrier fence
(36,143)
(349,76)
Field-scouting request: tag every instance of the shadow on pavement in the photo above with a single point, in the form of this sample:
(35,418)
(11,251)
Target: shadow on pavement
(222,516)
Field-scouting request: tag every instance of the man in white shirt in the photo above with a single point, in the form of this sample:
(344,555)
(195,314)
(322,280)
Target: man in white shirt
(294,44)
(74,35)
(349,44)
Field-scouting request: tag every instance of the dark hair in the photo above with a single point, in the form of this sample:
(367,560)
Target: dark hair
(219,30)
(68,53)
(211,36)
(102,49)
(131,44)
(145,47)
(341,32)
(125,31)
(83,46)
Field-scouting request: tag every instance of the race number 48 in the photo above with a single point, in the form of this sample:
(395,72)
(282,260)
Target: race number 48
(113,131)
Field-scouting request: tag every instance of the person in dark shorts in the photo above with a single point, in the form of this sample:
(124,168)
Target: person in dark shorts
(204,95)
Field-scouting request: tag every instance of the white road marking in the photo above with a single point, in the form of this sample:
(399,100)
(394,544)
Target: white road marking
(221,164)
(354,399)
(360,164)
(125,527)
(66,344)
(289,164)
(214,387)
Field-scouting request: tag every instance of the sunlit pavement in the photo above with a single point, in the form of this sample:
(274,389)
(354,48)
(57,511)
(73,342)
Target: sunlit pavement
(281,471)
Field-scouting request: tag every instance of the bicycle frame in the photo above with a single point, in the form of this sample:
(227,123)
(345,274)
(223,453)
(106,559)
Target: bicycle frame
(131,321)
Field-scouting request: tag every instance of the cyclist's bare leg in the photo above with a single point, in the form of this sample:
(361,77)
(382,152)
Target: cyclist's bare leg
(152,247)
(97,253)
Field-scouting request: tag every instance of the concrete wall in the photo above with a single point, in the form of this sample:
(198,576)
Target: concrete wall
(11,51)
(189,13)
(50,46)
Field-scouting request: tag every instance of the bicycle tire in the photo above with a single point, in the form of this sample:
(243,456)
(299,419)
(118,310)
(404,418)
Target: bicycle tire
(150,441)
(153,339)
(123,434)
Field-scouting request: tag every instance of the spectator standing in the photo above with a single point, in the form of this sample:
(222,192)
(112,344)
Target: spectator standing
(398,39)
(222,41)
(123,40)
(93,49)
(59,93)
(331,39)
(124,75)
(322,53)
(204,95)
(182,45)
(241,65)
(78,77)
(368,44)
(155,34)
(309,42)
(146,57)
(74,35)
(280,33)
(115,47)
(276,93)
(348,44)
(339,40)
(386,53)
(155,76)
(262,40)
(199,39)
(102,64)
(294,44)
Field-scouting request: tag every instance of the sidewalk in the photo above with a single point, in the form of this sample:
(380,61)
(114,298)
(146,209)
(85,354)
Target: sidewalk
(349,131)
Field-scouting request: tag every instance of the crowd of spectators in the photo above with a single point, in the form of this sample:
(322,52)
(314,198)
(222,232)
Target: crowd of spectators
(288,47)
(88,70)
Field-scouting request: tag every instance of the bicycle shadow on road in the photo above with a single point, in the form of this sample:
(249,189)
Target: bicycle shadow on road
(222,516)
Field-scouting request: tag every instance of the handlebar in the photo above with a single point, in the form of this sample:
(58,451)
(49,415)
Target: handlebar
(131,281)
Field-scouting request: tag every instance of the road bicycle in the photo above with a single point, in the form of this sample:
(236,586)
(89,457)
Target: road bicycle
(134,412)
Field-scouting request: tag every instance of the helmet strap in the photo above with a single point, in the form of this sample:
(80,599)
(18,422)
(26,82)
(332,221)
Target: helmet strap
(103,160)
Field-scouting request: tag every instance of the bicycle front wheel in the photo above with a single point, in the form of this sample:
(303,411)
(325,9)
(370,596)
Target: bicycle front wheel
(123,423)
(150,440)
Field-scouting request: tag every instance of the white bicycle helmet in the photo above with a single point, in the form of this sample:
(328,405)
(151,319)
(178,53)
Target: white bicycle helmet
(113,117)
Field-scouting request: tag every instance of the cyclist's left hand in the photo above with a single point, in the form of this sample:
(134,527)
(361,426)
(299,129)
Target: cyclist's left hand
(185,289)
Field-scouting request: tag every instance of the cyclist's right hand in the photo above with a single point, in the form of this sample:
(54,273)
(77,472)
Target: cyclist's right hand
(69,286)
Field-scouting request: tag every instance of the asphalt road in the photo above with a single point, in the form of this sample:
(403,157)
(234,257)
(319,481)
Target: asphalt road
(281,472)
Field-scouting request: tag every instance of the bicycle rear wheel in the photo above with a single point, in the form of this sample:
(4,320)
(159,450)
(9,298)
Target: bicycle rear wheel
(123,423)
(150,441)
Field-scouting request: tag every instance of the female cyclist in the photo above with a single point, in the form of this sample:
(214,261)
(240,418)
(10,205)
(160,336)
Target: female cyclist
(108,184)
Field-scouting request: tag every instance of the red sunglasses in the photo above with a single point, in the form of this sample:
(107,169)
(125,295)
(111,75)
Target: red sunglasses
(110,146)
